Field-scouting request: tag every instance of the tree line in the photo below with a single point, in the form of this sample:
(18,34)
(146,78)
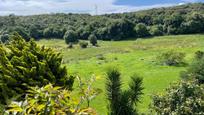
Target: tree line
(183,19)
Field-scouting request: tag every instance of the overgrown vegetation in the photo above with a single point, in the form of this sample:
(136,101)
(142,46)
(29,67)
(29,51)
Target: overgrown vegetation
(171,58)
(24,64)
(196,69)
(184,98)
(49,100)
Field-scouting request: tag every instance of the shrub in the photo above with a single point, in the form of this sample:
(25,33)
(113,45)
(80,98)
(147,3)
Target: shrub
(4,38)
(141,30)
(53,32)
(24,64)
(196,69)
(93,39)
(122,102)
(101,57)
(70,45)
(199,55)
(171,58)
(50,100)
(156,30)
(70,37)
(87,91)
(83,44)
(22,32)
(184,98)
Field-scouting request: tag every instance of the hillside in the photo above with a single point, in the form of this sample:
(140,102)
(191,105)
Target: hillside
(183,19)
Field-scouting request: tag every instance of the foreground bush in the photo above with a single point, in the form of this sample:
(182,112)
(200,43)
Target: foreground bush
(184,98)
(24,64)
(122,102)
(50,100)
(196,69)
(171,58)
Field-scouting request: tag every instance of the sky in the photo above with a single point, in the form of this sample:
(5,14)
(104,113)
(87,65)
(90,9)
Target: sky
(31,7)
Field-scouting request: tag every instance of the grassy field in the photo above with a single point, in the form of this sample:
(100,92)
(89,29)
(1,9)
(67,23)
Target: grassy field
(131,57)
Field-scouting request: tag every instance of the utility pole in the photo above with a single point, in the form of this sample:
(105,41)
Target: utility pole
(96,9)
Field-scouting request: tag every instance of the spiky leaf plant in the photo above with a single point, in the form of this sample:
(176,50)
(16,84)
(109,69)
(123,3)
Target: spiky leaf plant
(24,64)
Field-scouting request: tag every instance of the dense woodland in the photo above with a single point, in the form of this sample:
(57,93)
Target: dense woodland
(183,19)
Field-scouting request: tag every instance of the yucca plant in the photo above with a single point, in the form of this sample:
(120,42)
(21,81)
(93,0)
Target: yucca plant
(122,102)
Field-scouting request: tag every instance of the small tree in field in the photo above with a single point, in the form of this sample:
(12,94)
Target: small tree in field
(93,39)
(70,37)
(122,102)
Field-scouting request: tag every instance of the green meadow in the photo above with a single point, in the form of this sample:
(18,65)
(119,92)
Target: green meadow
(131,57)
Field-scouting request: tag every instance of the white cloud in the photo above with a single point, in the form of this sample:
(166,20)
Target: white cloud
(29,7)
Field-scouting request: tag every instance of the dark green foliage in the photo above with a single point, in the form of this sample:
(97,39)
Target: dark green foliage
(135,89)
(182,19)
(35,31)
(70,37)
(70,45)
(83,33)
(141,30)
(4,38)
(21,31)
(171,58)
(199,55)
(93,39)
(83,44)
(113,89)
(156,30)
(54,32)
(194,23)
(122,102)
(101,57)
(196,69)
(48,32)
(120,29)
(184,98)
(24,64)
(173,23)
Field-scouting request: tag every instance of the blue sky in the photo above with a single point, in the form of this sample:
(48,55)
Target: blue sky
(152,2)
(29,7)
